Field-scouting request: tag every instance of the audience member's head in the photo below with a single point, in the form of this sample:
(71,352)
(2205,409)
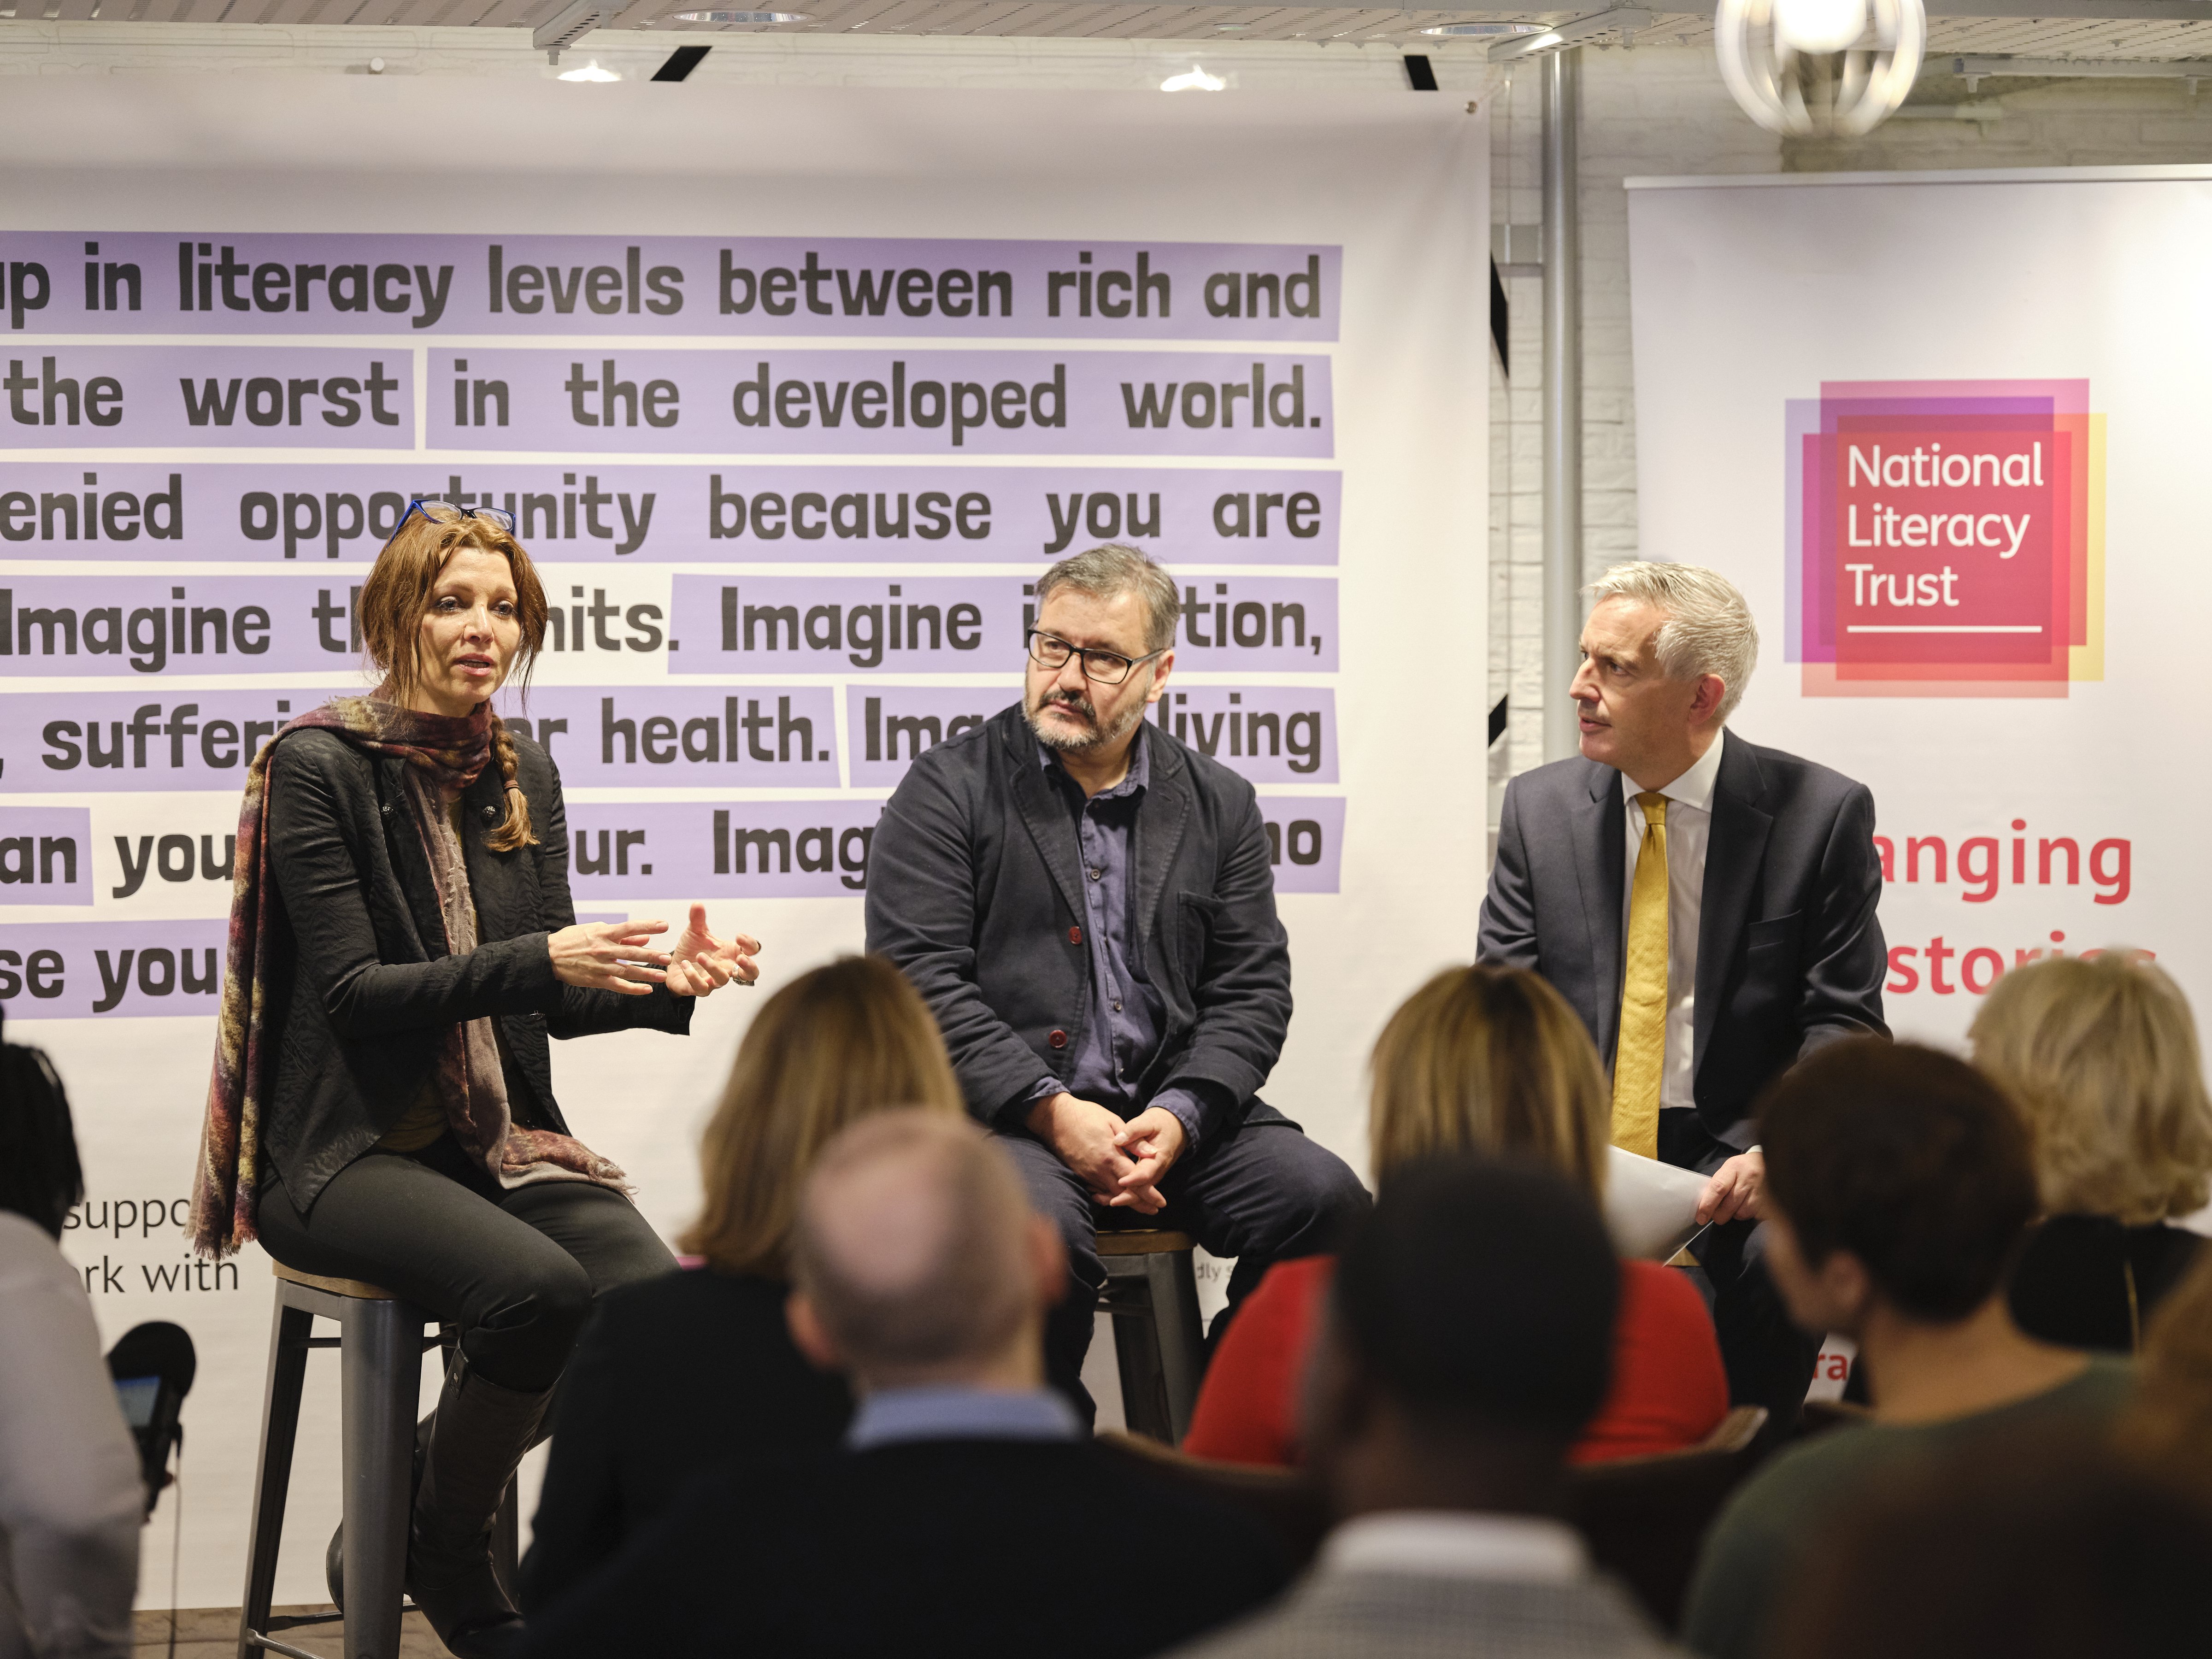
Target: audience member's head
(2101,1054)
(40,1177)
(1490,1060)
(917,1259)
(1470,1340)
(833,1046)
(2051,1547)
(1896,1177)
(2169,1423)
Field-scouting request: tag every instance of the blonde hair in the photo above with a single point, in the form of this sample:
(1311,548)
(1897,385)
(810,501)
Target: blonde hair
(1489,1060)
(398,593)
(834,1046)
(1708,629)
(2101,1053)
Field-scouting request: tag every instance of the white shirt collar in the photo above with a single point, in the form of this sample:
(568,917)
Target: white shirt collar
(1695,787)
(1446,1544)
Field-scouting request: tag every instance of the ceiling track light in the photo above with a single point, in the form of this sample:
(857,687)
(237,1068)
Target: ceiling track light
(1819,68)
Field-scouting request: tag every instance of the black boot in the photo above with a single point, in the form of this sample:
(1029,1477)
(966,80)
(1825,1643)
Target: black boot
(479,1434)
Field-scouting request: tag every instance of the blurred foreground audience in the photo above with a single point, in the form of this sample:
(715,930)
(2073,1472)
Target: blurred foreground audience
(71,1495)
(1900,1187)
(1465,1346)
(671,1373)
(967,1511)
(2039,1545)
(2102,1056)
(1490,1060)
(2168,1423)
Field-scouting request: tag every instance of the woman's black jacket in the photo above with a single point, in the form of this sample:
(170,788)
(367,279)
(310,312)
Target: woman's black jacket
(364,989)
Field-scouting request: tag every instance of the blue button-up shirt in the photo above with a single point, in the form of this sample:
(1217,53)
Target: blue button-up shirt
(1122,1034)
(891,1416)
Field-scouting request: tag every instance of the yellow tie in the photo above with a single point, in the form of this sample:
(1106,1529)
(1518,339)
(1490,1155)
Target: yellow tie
(1642,1054)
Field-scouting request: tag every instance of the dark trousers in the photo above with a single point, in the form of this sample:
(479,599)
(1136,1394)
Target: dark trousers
(1261,1193)
(516,1270)
(1770,1361)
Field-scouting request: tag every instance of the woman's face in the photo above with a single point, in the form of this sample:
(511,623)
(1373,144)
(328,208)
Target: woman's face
(470,629)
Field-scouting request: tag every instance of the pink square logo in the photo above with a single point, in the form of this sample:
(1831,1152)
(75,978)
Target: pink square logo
(1945,538)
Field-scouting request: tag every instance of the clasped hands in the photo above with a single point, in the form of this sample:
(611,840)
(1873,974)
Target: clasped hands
(615,956)
(1122,1162)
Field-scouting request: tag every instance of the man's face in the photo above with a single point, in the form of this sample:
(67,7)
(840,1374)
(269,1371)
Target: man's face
(1072,713)
(1632,716)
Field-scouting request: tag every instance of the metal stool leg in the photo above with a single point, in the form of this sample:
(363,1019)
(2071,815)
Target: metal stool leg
(381,1369)
(1173,1282)
(1145,1407)
(272,1479)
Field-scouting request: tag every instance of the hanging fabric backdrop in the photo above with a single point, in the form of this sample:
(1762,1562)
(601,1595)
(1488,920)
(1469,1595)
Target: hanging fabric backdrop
(792,400)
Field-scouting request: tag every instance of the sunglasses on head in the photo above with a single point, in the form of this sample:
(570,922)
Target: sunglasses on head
(446,513)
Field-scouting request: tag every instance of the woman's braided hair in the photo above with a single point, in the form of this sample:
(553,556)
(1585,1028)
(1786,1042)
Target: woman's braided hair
(393,601)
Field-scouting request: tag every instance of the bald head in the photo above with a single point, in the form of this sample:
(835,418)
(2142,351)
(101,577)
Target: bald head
(916,1252)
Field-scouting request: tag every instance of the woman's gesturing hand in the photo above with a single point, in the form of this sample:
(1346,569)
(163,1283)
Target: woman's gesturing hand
(699,963)
(609,956)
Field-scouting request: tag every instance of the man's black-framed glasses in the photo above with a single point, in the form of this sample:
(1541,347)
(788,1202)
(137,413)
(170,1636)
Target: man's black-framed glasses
(1102,668)
(440,511)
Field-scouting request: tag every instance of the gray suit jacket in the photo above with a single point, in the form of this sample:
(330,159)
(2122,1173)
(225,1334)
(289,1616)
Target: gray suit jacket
(1790,953)
(1375,1615)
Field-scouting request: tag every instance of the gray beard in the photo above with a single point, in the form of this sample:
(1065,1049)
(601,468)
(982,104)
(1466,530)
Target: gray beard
(1098,738)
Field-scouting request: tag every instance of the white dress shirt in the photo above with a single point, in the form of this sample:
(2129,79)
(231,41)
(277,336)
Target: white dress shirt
(1689,829)
(1447,1544)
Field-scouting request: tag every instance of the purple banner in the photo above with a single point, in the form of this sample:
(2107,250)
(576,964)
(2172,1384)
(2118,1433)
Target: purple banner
(345,510)
(377,282)
(687,737)
(74,970)
(1270,734)
(127,742)
(183,625)
(1305,842)
(189,397)
(872,402)
(957,624)
(819,849)
(45,855)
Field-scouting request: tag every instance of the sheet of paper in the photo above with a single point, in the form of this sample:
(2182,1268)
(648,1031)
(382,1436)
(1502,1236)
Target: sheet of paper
(1649,1207)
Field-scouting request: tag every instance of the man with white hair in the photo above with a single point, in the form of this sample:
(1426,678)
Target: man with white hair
(1707,905)
(968,1511)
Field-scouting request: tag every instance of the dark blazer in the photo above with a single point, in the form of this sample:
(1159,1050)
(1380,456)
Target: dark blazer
(976,891)
(986,1549)
(1790,953)
(2085,1281)
(668,1371)
(358,958)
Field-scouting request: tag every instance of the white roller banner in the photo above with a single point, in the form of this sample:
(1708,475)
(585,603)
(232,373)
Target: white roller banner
(794,394)
(1943,430)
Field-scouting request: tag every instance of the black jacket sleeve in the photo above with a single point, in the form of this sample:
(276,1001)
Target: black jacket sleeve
(1506,936)
(1846,959)
(318,872)
(1242,985)
(924,853)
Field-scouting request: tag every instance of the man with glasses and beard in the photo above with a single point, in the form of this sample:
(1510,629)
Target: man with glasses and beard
(1087,906)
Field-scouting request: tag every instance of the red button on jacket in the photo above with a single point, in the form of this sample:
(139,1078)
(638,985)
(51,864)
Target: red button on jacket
(1058,1039)
(1075,936)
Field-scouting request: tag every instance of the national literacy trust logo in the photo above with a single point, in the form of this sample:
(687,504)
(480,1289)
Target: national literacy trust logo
(1947,539)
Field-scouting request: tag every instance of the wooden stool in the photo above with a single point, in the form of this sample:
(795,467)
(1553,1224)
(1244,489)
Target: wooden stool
(381,1345)
(1152,1290)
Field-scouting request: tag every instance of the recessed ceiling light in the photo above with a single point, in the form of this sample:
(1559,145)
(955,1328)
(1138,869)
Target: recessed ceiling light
(590,71)
(1197,81)
(743,16)
(1488,30)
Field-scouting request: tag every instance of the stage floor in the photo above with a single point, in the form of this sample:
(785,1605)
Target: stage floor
(212,1633)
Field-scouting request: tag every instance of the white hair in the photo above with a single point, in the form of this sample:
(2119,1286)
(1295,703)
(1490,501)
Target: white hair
(1708,628)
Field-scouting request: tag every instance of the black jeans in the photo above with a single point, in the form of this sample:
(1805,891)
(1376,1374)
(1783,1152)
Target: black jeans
(517,1271)
(1770,1361)
(1262,1192)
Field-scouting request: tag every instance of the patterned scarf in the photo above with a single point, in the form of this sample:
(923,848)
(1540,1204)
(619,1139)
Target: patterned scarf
(444,754)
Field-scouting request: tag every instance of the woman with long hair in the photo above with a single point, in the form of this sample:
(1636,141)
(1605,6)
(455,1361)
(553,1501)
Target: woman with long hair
(402,945)
(669,1373)
(1488,1060)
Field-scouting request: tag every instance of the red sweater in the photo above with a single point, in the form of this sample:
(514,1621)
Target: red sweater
(1669,1387)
